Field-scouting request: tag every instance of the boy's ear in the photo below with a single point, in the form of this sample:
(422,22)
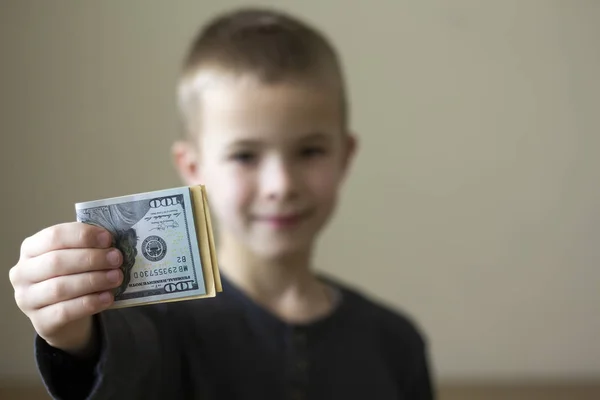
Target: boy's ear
(350,150)
(186,159)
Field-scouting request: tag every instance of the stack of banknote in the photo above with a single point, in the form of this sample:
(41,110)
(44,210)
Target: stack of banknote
(167,242)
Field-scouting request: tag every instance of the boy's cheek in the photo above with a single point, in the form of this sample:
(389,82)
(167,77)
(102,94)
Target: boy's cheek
(230,196)
(325,182)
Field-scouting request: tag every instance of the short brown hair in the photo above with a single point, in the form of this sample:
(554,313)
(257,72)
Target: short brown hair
(267,45)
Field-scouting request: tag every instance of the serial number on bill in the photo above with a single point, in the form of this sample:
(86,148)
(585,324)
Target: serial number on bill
(160,271)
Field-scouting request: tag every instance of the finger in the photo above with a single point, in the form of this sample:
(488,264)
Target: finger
(67,262)
(71,310)
(69,235)
(62,288)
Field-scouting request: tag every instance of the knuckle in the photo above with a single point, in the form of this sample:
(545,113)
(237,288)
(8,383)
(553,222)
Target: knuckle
(56,290)
(96,281)
(52,235)
(88,305)
(91,282)
(89,260)
(19,299)
(53,260)
(13,275)
(60,314)
(25,244)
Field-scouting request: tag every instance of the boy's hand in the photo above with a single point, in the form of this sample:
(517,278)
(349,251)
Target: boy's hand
(65,275)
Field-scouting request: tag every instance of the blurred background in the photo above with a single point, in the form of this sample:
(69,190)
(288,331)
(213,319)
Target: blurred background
(473,203)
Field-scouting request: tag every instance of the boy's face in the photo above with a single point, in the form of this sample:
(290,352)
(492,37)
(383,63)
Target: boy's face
(273,158)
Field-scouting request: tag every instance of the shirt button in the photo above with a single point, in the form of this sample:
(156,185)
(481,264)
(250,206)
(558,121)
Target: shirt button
(302,365)
(299,339)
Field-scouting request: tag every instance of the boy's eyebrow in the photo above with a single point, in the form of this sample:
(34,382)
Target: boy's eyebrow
(315,136)
(244,143)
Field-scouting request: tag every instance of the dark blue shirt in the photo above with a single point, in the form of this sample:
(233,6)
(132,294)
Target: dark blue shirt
(229,348)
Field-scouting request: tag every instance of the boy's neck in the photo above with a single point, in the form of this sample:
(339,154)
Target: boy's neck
(287,287)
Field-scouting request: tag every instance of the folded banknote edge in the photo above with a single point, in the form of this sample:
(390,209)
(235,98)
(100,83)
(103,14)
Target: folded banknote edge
(211,241)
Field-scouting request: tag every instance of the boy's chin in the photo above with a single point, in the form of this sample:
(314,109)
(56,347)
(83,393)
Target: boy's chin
(281,250)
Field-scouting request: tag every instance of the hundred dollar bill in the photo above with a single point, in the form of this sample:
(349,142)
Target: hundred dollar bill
(166,240)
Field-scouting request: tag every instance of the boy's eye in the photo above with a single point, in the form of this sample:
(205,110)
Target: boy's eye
(312,151)
(244,157)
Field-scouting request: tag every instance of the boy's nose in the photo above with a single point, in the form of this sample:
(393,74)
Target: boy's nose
(278,180)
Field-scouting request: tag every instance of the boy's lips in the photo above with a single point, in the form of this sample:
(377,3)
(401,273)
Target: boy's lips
(282,220)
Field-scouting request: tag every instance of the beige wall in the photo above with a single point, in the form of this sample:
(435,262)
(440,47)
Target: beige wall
(475,193)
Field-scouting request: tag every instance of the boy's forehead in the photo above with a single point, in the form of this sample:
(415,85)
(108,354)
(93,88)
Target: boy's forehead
(247,108)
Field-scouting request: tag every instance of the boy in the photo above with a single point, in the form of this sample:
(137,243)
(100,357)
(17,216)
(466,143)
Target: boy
(264,109)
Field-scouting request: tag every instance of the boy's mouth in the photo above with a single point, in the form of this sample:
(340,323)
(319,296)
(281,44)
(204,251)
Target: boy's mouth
(283,220)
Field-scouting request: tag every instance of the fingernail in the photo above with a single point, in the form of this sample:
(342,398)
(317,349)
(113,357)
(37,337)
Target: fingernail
(113,257)
(103,239)
(105,297)
(113,275)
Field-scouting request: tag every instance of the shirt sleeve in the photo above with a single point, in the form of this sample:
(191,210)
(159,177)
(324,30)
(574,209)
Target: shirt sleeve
(407,356)
(139,358)
(66,377)
(419,386)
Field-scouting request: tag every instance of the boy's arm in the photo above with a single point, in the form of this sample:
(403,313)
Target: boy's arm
(65,275)
(138,357)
